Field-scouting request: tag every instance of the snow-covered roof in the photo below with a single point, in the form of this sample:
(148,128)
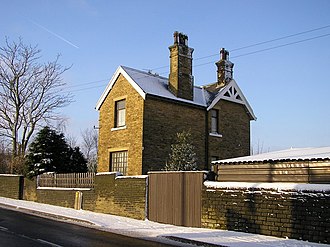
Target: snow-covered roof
(152,84)
(322,153)
(147,83)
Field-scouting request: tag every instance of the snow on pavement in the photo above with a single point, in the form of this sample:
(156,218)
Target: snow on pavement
(149,229)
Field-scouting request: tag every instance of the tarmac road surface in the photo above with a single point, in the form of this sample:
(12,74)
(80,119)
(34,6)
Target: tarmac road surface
(19,229)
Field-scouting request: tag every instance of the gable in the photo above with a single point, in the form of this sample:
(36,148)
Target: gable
(119,71)
(233,93)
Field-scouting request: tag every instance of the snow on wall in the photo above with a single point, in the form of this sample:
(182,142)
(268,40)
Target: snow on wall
(139,176)
(10,175)
(108,173)
(268,186)
(63,189)
(288,210)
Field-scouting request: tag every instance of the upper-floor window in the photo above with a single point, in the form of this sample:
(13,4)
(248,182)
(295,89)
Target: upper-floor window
(120,113)
(214,121)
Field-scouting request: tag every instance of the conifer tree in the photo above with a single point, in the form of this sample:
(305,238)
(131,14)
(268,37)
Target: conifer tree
(49,152)
(182,156)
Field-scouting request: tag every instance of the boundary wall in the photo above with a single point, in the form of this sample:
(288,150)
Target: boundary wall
(11,186)
(118,195)
(297,211)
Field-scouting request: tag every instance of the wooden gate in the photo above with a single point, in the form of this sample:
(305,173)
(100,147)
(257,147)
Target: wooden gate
(175,198)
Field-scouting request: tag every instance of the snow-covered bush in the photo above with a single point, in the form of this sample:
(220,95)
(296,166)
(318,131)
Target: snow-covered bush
(182,156)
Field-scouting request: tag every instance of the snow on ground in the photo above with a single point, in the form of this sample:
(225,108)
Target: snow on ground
(148,229)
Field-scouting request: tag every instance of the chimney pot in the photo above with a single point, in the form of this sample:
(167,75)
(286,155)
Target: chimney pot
(176,37)
(224,54)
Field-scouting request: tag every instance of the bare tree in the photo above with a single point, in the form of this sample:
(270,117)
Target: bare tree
(30,93)
(89,148)
(71,140)
(4,157)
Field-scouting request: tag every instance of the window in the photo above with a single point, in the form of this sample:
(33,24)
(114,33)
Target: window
(214,121)
(118,162)
(120,114)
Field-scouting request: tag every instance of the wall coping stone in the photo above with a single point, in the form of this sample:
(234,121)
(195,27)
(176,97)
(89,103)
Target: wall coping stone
(268,186)
(177,172)
(108,173)
(10,175)
(62,188)
(138,176)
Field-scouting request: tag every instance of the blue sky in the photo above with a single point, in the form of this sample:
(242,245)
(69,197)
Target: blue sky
(288,87)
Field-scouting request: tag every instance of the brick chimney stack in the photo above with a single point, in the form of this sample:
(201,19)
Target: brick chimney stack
(181,81)
(225,68)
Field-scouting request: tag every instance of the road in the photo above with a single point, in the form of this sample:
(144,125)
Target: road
(19,229)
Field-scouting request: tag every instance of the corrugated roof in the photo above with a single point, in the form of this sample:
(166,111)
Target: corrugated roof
(322,153)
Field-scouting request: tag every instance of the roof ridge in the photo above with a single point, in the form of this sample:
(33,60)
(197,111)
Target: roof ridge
(152,74)
(143,72)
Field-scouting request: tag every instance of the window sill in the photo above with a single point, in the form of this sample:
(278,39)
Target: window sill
(118,128)
(215,134)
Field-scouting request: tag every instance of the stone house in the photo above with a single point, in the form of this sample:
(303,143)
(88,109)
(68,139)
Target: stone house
(141,112)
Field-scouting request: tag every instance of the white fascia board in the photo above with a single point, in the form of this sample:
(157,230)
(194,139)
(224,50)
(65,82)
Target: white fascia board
(133,83)
(243,102)
(115,76)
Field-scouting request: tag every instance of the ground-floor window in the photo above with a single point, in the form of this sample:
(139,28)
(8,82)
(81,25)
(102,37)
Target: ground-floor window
(118,162)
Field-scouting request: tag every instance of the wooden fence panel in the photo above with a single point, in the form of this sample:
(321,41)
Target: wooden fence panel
(175,198)
(46,181)
(67,180)
(193,199)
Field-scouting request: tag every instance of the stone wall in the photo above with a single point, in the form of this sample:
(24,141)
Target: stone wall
(234,126)
(130,197)
(63,197)
(123,196)
(30,190)
(11,186)
(299,214)
(119,139)
(163,120)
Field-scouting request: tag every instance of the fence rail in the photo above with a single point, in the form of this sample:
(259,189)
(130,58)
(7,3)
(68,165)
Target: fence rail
(67,180)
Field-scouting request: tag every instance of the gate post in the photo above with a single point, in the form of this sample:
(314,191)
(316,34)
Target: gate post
(78,200)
